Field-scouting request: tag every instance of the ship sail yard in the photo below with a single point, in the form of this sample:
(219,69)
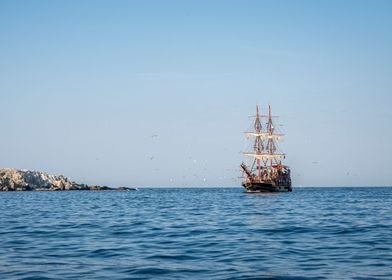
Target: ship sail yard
(266,173)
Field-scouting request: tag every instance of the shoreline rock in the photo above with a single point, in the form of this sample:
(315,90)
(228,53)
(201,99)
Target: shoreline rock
(12,179)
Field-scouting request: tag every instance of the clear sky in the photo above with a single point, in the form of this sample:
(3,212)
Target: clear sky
(157,93)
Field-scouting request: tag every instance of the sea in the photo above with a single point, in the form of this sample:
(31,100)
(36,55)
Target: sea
(197,233)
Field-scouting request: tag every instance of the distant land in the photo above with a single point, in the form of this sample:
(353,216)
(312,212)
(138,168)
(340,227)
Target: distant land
(25,180)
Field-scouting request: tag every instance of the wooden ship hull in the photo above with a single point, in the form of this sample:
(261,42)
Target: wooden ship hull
(266,187)
(265,173)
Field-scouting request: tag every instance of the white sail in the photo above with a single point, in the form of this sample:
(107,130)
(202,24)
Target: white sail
(264,135)
(266,173)
(264,155)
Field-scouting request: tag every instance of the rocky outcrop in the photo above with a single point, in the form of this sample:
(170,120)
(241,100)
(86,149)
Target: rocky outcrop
(26,180)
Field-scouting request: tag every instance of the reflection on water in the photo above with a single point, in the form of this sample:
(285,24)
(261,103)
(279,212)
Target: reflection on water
(333,233)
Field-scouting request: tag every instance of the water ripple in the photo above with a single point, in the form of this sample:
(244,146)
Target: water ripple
(312,233)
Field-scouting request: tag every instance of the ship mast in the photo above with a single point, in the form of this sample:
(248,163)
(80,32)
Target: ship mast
(266,173)
(258,145)
(270,130)
(264,147)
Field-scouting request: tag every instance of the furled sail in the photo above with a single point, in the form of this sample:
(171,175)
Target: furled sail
(264,155)
(264,135)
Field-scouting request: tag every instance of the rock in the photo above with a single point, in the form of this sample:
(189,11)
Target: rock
(126,189)
(26,180)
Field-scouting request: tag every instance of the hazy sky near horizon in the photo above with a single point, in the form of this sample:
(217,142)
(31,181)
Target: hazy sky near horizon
(157,93)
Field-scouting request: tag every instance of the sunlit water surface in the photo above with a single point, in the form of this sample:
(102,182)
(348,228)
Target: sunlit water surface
(311,233)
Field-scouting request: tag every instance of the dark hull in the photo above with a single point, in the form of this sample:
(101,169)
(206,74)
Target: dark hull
(266,188)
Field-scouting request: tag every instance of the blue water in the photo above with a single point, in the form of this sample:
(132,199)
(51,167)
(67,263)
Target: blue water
(311,233)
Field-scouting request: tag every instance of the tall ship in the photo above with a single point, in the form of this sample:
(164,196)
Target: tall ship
(265,172)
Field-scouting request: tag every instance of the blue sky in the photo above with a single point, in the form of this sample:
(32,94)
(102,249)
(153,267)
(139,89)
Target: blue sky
(85,84)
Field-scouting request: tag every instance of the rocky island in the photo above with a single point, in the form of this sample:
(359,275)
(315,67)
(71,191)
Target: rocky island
(25,180)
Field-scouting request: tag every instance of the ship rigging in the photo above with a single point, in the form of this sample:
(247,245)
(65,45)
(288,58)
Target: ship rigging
(266,173)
